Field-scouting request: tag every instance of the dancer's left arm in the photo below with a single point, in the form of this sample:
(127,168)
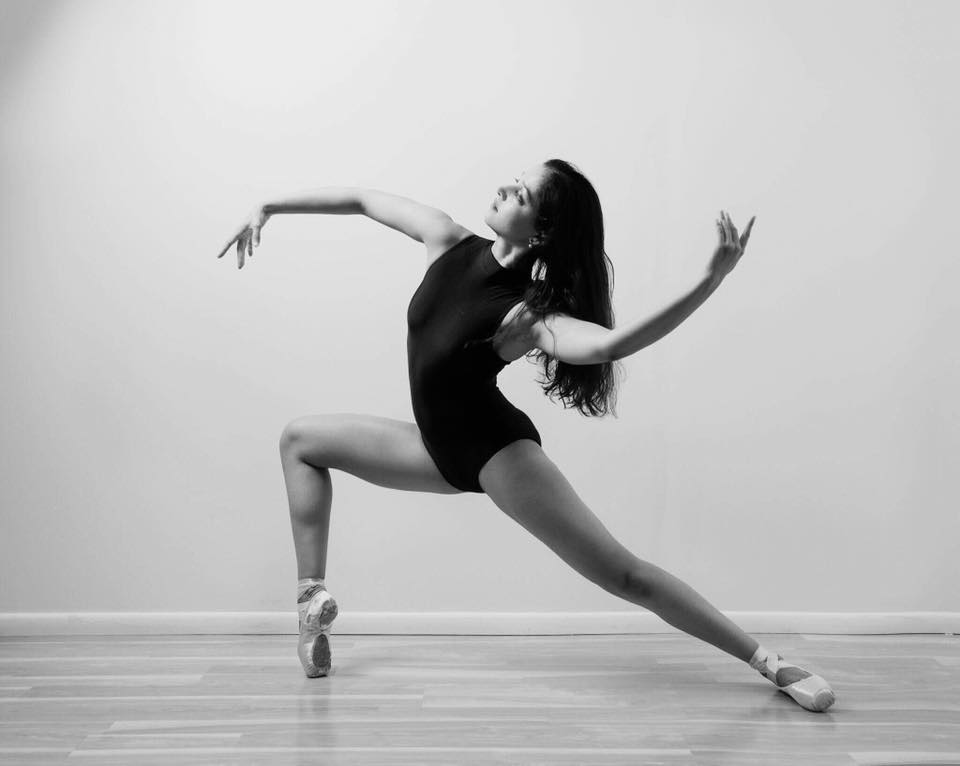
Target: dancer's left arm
(628,339)
(623,341)
(576,341)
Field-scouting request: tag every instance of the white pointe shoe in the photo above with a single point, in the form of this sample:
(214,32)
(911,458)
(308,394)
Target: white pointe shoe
(316,615)
(807,689)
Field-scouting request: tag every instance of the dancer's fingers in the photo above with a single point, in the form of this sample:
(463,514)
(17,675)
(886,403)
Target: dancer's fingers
(733,230)
(745,237)
(229,242)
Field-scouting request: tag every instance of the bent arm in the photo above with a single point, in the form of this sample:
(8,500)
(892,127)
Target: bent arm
(628,339)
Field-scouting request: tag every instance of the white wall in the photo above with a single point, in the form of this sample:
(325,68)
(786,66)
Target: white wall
(792,446)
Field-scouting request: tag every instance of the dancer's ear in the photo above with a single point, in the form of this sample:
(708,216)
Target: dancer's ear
(539,238)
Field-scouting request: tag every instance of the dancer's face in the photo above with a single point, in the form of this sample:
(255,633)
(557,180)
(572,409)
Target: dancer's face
(513,213)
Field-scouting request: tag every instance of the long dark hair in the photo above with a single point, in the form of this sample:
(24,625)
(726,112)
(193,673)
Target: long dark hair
(572,274)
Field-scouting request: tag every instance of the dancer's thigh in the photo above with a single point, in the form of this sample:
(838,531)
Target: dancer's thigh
(380,450)
(529,487)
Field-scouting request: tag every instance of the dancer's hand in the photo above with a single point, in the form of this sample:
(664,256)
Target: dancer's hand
(730,248)
(248,237)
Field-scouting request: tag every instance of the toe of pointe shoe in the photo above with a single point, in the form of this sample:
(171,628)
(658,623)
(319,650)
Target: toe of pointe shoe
(314,653)
(823,700)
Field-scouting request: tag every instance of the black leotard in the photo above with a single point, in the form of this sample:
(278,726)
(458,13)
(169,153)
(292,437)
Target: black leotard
(464,419)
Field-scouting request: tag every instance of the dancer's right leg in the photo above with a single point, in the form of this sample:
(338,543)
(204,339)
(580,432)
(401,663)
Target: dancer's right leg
(380,450)
(383,451)
(309,496)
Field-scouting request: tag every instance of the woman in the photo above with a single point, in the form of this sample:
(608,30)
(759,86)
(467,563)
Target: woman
(540,287)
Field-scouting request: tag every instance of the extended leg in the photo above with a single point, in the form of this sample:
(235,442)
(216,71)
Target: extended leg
(529,488)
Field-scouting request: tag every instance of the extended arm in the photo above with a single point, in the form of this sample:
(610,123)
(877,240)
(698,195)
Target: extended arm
(418,221)
(344,200)
(423,223)
(576,341)
(626,340)
(330,199)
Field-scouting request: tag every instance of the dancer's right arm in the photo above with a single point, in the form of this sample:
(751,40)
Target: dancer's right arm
(421,222)
(330,199)
(342,200)
(418,221)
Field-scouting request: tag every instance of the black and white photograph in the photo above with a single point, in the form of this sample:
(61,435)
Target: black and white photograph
(450,382)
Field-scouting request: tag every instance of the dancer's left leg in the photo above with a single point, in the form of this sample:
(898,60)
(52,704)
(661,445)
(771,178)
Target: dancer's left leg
(528,487)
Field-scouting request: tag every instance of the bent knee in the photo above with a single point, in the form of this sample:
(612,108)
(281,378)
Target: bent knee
(288,436)
(300,431)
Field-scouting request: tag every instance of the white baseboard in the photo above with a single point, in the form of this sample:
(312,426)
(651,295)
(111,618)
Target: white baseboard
(459,623)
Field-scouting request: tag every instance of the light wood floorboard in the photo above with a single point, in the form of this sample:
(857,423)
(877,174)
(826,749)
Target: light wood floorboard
(611,699)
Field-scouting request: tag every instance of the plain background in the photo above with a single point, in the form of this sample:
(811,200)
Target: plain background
(792,446)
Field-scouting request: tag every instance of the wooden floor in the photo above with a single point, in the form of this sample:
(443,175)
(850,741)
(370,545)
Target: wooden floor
(619,699)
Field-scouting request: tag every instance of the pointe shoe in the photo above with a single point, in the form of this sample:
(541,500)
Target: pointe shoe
(807,689)
(313,646)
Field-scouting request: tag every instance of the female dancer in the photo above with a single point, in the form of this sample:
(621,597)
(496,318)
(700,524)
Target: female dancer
(540,287)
